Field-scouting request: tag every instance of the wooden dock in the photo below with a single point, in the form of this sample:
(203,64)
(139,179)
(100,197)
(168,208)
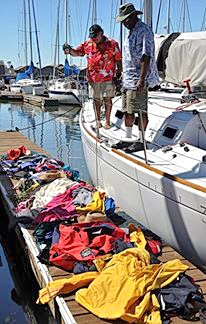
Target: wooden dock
(40,101)
(65,309)
(10,96)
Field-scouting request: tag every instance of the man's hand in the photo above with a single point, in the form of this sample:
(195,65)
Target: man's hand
(66,48)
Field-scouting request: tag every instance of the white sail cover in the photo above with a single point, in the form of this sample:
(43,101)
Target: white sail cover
(187,59)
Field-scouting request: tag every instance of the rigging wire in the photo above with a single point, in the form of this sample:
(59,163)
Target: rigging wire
(158,17)
(203,21)
(87,24)
(47,121)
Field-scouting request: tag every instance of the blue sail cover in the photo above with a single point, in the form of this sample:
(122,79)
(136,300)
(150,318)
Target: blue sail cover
(30,69)
(26,74)
(69,70)
(75,70)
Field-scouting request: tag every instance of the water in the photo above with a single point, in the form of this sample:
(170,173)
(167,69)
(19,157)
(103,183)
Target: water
(59,134)
(19,290)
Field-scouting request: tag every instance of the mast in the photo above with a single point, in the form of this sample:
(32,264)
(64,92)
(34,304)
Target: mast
(158,17)
(94,12)
(25,33)
(168,17)
(183,20)
(121,29)
(57,38)
(37,41)
(30,31)
(66,25)
(148,12)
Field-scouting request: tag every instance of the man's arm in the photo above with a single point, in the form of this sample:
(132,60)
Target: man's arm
(143,72)
(119,69)
(69,50)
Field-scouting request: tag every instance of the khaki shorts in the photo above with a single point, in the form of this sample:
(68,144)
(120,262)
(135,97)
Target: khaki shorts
(133,102)
(102,89)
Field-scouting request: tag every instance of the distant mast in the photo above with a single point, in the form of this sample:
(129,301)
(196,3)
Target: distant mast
(25,33)
(37,40)
(30,31)
(148,12)
(168,17)
(121,30)
(30,37)
(94,12)
(56,52)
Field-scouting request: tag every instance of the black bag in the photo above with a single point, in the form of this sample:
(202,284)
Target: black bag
(182,298)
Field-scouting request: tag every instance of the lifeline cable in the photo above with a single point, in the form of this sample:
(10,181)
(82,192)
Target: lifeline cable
(39,124)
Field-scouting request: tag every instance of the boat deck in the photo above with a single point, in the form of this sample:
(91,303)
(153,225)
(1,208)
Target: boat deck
(65,309)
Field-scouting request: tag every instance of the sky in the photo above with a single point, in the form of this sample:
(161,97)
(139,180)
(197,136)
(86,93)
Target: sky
(12,35)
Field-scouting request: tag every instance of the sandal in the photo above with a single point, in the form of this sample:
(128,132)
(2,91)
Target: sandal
(106,126)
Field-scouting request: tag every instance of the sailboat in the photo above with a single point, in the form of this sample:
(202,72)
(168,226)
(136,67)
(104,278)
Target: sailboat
(25,81)
(66,90)
(163,186)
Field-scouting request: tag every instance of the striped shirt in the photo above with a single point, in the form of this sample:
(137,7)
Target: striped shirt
(139,42)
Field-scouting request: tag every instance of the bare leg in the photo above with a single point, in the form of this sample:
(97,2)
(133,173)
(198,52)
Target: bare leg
(108,109)
(97,106)
(129,120)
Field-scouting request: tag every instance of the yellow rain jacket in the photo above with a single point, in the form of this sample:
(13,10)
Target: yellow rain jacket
(97,203)
(124,288)
(65,286)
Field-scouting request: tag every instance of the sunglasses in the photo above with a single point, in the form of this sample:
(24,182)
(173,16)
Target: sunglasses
(97,35)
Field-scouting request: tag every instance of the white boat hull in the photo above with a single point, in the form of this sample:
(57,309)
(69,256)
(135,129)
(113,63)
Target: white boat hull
(70,97)
(170,206)
(15,88)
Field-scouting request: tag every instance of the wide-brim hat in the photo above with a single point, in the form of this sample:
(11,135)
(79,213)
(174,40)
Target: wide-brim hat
(126,10)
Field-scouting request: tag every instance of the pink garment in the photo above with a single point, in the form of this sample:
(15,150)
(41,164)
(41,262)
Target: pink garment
(25,204)
(61,206)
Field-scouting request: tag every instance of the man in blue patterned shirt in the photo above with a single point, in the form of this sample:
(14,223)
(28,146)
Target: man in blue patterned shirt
(139,73)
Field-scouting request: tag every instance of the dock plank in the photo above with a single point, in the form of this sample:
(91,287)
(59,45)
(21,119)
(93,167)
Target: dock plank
(11,140)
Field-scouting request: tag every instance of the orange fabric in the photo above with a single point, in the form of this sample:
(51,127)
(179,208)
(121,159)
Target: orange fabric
(14,154)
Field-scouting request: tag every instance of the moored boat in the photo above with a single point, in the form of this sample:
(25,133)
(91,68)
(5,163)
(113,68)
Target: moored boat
(66,91)
(164,185)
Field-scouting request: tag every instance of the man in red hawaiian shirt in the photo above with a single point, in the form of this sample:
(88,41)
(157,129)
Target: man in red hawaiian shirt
(103,65)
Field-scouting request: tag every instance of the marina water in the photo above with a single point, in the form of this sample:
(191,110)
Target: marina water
(58,133)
